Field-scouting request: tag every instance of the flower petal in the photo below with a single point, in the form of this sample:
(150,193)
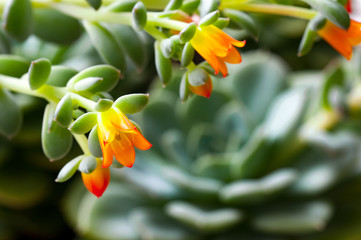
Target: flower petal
(98,180)
(205,52)
(139,141)
(123,151)
(106,150)
(233,57)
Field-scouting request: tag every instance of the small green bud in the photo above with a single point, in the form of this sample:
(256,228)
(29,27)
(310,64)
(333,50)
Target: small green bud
(243,20)
(84,123)
(69,169)
(139,14)
(88,164)
(131,103)
(173,5)
(39,73)
(103,105)
(93,143)
(58,142)
(18,19)
(64,111)
(184,92)
(187,33)
(121,6)
(95,3)
(87,84)
(109,74)
(14,66)
(187,54)
(162,64)
(221,23)
(209,19)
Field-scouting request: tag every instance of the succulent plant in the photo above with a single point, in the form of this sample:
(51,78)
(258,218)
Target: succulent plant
(260,159)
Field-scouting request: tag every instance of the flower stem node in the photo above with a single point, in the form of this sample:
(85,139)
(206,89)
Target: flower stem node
(88,164)
(18,19)
(84,123)
(131,103)
(139,14)
(69,169)
(209,19)
(39,73)
(187,33)
(103,105)
(64,111)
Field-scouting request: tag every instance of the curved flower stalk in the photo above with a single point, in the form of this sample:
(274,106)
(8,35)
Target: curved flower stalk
(118,136)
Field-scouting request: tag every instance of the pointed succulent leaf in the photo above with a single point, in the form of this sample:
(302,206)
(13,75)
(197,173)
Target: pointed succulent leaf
(162,64)
(187,54)
(139,14)
(18,19)
(88,164)
(56,27)
(95,3)
(57,143)
(209,19)
(221,23)
(87,84)
(69,169)
(334,77)
(11,115)
(306,44)
(105,44)
(93,143)
(184,92)
(333,11)
(121,6)
(39,73)
(173,5)
(187,33)
(207,6)
(64,111)
(214,220)
(14,66)
(84,123)
(190,5)
(60,75)
(109,74)
(103,105)
(131,103)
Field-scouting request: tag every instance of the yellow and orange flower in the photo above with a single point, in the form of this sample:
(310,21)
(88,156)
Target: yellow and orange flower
(216,47)
(98,180)
(342,40)
(118,136)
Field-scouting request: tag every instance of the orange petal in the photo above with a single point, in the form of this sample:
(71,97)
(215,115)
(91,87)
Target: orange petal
(223,68)
(120,121)
(139,141)
(233,57)
(106,150)
(226,37)
(98,180)
(205,52)
(123,151)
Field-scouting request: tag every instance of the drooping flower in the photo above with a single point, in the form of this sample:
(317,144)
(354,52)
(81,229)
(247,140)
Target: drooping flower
(216,47)
(342,40)
(98,180)
(118,136)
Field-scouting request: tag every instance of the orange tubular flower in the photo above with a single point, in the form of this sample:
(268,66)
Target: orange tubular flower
(118,137)
(340,39)
(216,47)
(97,181)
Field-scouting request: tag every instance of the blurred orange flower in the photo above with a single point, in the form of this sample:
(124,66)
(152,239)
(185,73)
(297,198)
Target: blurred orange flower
(118,136)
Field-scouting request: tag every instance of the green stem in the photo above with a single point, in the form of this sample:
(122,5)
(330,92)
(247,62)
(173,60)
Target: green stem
(83,143)
(83,102)
(154,32)
(283,10)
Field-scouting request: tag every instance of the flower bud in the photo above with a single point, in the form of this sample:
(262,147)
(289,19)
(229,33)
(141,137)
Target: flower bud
(39,73)
(131,103)
(139,14)
(200,82)
(84,123)
(97,181)
(64,111)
